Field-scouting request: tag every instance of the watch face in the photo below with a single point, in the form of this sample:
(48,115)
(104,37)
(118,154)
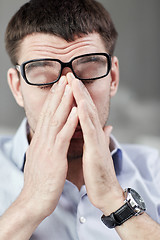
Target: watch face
(138,199)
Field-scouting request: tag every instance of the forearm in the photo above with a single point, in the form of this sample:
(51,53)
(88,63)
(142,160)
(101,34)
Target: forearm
(18,222)
(140,227)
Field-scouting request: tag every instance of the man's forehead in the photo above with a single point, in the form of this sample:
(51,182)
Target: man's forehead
(48,44)
(39,38)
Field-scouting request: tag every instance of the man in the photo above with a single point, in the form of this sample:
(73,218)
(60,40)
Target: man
(62,171)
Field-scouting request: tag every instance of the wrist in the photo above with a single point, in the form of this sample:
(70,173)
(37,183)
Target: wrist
(113,201)
(132,206)
(22,221)
(37,204)
(30,208)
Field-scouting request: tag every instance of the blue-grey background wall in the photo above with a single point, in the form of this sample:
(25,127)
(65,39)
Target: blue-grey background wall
(135,111)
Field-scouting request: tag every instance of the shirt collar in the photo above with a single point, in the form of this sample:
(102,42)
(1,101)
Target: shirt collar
(117,155)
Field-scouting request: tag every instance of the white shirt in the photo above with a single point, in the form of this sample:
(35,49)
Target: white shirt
(75,218)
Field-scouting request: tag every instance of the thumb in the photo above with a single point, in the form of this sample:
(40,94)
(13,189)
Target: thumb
(107,132)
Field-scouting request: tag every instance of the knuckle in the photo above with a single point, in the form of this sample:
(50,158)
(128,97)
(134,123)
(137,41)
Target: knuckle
(60,140)
(91,131)
(54,123)
(94,107)
(93,135)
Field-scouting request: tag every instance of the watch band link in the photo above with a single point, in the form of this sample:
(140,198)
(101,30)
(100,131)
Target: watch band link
(120,216)
(124,213)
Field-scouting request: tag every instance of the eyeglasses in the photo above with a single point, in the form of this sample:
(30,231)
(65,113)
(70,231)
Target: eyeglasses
(47,71)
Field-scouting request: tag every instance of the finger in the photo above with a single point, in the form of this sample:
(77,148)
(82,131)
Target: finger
(87,111)
(107,131)
(88,128)
(79,90)
(64,136)
(81,95)
(59,118)
(51,103)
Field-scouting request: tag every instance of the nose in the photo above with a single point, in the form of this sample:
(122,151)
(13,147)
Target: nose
(65,71)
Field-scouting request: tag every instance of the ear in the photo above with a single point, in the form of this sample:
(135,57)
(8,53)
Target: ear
(114,76)
(15,85)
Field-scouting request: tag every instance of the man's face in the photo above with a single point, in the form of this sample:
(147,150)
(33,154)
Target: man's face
(41,45)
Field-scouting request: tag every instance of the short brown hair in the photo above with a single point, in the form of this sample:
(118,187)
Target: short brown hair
(65,19)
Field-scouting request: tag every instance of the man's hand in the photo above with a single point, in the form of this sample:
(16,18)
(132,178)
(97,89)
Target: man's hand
(102,185)
(46,159)
(46,165)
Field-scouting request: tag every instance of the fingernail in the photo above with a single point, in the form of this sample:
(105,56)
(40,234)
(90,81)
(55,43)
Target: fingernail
(62,80)
(80,84)
(73,111)
(110,129)
(53,87)
(67,90)
(70,76)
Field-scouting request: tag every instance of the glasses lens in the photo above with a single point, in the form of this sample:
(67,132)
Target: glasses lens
(90,67)
(42,71)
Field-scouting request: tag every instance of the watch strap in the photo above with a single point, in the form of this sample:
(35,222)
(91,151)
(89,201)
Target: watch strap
(118,217)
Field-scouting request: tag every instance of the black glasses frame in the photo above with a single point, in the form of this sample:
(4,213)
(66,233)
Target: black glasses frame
(21,68)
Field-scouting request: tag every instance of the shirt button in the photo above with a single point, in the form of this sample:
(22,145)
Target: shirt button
(82,220)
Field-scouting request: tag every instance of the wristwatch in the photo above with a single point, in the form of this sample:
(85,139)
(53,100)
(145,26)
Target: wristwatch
(133,206)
